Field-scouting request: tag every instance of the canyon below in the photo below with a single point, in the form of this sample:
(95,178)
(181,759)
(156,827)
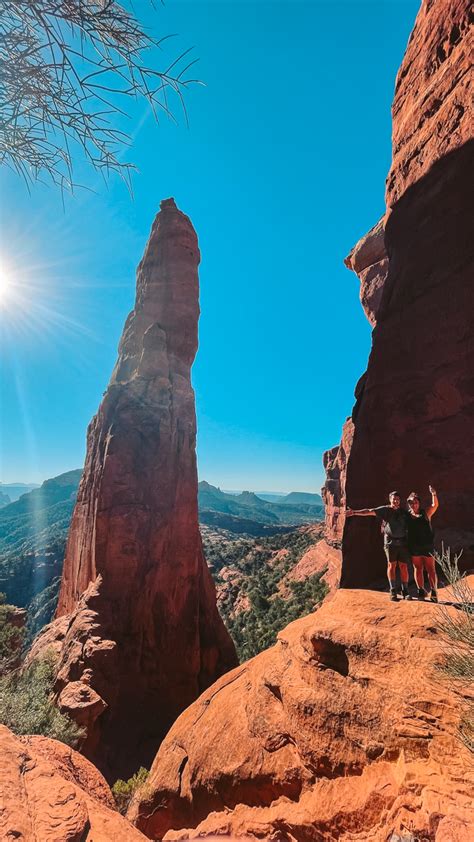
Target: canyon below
(242,653)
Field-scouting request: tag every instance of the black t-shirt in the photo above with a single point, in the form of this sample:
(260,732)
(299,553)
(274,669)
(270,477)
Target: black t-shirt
(420,533)
(395,524)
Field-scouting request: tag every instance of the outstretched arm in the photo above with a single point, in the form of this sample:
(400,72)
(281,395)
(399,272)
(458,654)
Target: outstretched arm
(434,503)
(360,512)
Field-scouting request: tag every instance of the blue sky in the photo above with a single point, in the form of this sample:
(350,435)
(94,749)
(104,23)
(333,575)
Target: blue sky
(281,169)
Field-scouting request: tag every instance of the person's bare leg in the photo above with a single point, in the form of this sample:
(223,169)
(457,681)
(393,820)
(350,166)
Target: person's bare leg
(392,578)
(403,572)
(417,561)
(430,565)
(404,579)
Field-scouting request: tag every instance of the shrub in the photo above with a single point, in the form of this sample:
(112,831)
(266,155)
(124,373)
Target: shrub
(27,706)
(123,791)
(458,634)
(11,638)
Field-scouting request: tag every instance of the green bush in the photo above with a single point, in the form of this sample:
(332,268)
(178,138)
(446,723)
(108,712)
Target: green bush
(123,791)
(11,637)
(27,707)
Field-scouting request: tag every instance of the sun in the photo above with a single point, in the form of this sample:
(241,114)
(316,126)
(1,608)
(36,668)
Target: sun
(5,284)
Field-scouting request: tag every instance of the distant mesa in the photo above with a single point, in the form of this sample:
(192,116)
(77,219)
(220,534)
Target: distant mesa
(14,490)
(288,510)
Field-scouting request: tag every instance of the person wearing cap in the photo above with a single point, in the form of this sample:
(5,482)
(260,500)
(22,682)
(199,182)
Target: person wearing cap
(395,538)
(421,542)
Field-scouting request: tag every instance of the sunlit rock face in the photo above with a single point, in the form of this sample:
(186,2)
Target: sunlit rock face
(143,636)
(338,732)
(51,793)
(368,259)
(414,412)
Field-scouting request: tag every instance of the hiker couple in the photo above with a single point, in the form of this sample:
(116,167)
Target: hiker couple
(407,535)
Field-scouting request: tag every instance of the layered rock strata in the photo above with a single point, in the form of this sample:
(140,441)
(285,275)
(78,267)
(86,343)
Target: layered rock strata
(50,793)
(342,730)
(415,405)
(138,634)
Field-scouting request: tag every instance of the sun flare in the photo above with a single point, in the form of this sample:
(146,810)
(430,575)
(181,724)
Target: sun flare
(4,284)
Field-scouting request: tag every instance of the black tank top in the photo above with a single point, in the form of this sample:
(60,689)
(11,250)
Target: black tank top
(420,532)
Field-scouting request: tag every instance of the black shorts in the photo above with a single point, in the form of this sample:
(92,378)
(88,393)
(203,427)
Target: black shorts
(421,551)
(397,552)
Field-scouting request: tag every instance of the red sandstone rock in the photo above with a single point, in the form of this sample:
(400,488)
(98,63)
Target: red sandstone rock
(143,636)
(322,556)
(412,422)
(341,731)
(334,489)
(432,105)
(50,793)
(369,260)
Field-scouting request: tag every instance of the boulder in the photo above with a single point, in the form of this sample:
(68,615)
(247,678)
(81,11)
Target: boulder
(50,793)
(342,730)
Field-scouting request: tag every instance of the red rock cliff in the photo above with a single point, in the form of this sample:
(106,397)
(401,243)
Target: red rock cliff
(412,422)
(145,638)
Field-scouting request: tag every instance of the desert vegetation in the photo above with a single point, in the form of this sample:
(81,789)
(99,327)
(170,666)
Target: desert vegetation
(256,597)
(27,705)
(123,791)
(458,633)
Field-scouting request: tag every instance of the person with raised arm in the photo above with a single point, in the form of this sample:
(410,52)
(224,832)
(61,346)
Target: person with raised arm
(395,538)
(421,542)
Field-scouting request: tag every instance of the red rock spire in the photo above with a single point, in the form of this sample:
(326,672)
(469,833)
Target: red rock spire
(146,637)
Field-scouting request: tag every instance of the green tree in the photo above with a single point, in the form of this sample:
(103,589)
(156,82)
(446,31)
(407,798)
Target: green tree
(123,791)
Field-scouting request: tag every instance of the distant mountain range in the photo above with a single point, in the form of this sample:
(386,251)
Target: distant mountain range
(33,532)
(290,510)
(14,490)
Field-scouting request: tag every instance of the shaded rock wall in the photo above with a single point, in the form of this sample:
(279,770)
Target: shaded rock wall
(143,636)
(415,404)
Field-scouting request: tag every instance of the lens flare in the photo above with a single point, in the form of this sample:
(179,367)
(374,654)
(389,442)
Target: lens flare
(4,284)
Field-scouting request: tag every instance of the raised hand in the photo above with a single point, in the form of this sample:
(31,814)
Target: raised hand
(349,512)
(432,491)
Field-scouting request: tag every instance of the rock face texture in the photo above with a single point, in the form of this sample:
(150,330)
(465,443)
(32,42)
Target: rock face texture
(334,489)
(321,557)
(142,636)
(415,404)
(368,259)
(50,793)
(341,731)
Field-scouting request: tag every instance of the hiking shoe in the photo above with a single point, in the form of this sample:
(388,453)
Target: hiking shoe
(393,595)
(434,595)
(421,593)
(405,594)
